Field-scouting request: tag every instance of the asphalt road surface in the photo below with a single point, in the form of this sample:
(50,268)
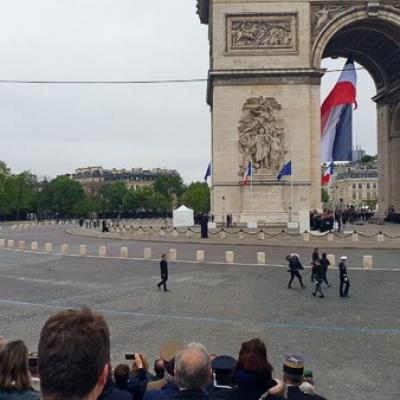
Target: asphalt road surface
(352,345)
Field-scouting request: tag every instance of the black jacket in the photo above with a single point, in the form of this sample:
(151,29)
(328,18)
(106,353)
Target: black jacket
(294,393)
(343,270)
(249,387)
(294,264)
(325,264)
(191,394)
(164,268)
(110,392)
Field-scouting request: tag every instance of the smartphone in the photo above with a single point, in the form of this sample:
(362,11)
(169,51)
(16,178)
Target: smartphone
(129,356)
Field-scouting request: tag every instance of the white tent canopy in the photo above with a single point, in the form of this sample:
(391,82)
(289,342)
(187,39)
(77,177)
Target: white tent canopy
(183,216)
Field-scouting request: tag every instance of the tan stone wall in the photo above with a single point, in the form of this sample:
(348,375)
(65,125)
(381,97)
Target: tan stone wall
(222,60)
(301,134)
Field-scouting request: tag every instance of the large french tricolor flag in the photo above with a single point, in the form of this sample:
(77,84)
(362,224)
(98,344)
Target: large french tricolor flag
(337,115)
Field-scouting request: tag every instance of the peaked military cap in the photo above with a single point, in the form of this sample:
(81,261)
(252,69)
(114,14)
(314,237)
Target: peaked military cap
(293,365)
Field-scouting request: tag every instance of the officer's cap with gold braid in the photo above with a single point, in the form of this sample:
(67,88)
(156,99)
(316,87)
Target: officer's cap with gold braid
(293,365)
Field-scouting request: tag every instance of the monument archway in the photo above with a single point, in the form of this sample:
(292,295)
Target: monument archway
(264,92)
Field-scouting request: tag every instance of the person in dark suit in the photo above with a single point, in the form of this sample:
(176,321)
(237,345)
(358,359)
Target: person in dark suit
(325,264)
(344,279)
(318,272)
(164,273)
(294,268)
(315,257)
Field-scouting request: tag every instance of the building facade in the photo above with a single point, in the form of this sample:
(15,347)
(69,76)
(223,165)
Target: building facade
(93,179)
(357,187)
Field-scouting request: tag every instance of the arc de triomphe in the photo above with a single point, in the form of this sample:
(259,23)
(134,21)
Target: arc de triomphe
(264,92)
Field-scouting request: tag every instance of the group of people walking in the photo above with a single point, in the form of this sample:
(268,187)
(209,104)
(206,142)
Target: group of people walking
(319,271)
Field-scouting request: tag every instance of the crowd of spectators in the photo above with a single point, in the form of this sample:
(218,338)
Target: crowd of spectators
(325,221)
(73,363)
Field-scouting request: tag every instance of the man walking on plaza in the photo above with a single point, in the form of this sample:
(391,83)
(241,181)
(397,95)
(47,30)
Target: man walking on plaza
(164,273)
(294,267)
(318,272)
(325,264)
(344,279)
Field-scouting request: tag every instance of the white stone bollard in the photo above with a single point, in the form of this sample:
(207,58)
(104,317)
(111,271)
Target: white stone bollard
(368,262)
(64,248)
(2,242)
(10,243)
(172,254)
(354,237)
(222,235)
(331,237)
(175,233)
(380,238)
(102,251)
(83,250)
(147,253)
(332,260)
(34,246)
(229,257)
(25,226)
(261,235)
(21,245)
(124,252)
(306,236)
(189,233)
(241,235)
(48,247)
(200,256)
(261,258)
(162,232)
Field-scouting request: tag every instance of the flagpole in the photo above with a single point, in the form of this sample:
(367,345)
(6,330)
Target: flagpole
(291,196)
(251,191)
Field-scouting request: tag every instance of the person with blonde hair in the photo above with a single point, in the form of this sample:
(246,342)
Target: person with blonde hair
(15,380)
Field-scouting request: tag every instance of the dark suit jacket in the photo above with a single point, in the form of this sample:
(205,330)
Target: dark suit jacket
(294,393)
(164,268)
(192,394)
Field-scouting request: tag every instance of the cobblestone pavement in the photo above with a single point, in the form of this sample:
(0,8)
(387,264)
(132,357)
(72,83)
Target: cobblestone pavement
(351,344)
(245,253)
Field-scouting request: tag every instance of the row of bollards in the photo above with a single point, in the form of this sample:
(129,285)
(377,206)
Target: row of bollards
(147,253)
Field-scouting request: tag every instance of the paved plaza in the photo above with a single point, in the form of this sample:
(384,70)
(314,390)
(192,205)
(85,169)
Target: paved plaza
(351,344)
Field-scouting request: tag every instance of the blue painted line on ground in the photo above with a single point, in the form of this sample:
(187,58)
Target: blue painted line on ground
(219,321)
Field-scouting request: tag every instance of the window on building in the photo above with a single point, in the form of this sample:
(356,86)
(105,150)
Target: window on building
(354,185)
(360,185)
(374,185)
(354,196)
(368,186)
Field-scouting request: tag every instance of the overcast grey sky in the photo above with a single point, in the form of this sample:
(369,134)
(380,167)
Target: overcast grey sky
(54,129)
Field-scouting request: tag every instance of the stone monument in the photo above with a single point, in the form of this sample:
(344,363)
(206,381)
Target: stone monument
(264,92)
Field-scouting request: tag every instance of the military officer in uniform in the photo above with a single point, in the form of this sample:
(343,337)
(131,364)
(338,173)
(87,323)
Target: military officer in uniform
(344,279)
(294,268)
(293,368)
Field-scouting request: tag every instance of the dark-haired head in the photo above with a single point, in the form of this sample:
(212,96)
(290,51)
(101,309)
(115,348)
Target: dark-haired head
(253,358)
(14,366)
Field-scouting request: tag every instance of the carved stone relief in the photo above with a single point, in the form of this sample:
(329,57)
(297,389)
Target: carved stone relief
(261,136)
(262,33)
(323,15)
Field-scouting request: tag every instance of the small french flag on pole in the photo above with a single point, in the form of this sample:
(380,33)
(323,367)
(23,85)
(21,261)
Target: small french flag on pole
(247,174)
(326,177)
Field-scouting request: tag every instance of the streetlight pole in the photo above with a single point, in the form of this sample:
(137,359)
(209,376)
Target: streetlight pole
(223,210)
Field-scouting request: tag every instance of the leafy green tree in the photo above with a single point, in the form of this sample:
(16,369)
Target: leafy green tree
(64,196)
(169,186)
(367,159)
(197,197)
(113,195)
(19,194)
